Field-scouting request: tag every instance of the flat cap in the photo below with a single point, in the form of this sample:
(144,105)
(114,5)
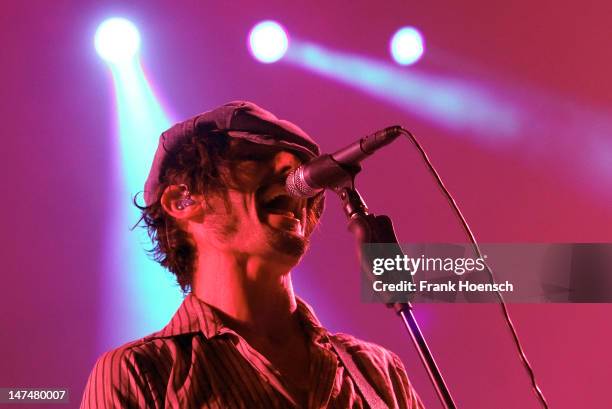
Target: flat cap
(239,119)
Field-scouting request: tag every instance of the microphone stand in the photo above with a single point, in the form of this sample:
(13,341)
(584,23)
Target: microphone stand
(368,228)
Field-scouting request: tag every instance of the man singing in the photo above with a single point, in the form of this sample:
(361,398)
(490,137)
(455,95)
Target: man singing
(222,223)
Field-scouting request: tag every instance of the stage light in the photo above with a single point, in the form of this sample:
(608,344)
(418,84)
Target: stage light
(117,40)
(447,101)
(144,300)
(407,46)
(268,42)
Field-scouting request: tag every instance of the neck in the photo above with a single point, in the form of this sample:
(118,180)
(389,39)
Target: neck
(254,296)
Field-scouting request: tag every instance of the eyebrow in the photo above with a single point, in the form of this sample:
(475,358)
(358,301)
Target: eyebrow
(240,149)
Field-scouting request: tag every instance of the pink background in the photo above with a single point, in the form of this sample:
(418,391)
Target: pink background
(550,184)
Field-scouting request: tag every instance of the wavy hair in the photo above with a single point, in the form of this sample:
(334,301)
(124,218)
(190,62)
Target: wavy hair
(200,162)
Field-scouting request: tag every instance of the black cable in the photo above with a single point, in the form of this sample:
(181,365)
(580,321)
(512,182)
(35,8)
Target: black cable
(467,229)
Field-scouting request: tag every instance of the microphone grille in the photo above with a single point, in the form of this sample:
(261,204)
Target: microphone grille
(296,184)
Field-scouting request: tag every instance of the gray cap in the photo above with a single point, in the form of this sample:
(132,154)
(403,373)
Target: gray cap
(239,119)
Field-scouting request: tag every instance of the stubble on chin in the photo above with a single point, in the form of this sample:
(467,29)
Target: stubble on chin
(278,241)
(287,243)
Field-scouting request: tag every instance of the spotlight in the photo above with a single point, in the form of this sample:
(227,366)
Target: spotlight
(268,42)
(117,40)
(407,46)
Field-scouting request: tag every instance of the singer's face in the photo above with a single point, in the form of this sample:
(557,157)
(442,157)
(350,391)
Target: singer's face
(258,217)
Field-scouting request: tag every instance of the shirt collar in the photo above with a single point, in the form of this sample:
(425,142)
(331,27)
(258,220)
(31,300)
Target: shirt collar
(311,324)
(195,315)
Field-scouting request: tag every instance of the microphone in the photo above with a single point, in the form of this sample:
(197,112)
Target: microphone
(329,170)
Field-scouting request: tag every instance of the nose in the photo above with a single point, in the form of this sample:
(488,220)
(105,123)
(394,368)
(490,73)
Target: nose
(285,162)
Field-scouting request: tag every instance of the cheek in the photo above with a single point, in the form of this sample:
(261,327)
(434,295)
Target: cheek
(219,217)
(247,176)
(221,226)
(237,214)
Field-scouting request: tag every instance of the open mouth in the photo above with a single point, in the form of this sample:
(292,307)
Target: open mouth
(281,211)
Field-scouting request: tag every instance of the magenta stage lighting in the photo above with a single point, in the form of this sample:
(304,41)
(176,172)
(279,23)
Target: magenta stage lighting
(407,46)
(268,42)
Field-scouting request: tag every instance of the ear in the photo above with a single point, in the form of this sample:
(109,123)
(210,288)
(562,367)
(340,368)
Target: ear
(173,202)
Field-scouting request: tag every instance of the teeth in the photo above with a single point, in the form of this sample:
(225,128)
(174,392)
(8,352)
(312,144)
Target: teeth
(282,213)
(290,207)
(281,222)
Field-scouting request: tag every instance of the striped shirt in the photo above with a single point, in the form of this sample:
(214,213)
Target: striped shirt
(197,362)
